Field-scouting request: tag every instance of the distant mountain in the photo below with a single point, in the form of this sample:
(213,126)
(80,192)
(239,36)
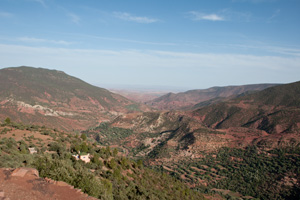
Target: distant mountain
(190,98)
(53,98)
(139,95)
(274,110)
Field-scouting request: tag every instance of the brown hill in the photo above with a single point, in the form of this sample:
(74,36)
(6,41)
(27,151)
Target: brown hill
(189,98)
(274,110)
(55,99)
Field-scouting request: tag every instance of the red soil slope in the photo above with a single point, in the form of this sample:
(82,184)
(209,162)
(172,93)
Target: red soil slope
(25,184)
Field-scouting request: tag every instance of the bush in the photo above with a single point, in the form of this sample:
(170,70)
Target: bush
(7,121)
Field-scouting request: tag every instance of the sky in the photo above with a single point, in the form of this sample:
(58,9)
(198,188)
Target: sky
(162,44)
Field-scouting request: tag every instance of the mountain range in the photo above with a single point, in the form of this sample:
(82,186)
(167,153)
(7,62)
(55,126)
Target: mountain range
(55,99)
(274,110)
(269,119)
(194,98)
(226,142)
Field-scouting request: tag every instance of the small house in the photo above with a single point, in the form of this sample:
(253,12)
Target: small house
(83,156)
(32,150)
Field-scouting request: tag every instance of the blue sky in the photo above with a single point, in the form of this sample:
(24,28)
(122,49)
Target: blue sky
(186,44)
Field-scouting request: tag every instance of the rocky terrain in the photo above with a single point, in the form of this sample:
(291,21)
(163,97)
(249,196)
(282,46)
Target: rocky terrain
(166,136)
(25,184)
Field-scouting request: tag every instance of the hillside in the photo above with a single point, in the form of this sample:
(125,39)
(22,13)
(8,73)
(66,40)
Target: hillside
(236,163)
(53,98)
(245,147)
(25,184)
(175,136)
(275,110)
(190,98)
(269,119)
(108,175)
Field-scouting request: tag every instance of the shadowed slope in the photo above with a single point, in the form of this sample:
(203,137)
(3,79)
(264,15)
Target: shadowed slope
(274,110)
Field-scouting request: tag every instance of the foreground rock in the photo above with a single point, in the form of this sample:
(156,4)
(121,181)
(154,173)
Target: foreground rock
(25,183)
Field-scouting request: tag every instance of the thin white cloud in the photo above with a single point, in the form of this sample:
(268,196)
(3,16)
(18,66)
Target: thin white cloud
(222,15)
(197,16)
(129,17)
(156,67)
(138,58)
(274,15)
(213,17)
(231,61)
(284,50)
(75,18)
(39,40)
(130,41)
(232,15)
(6,14)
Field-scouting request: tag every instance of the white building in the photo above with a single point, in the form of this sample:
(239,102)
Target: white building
(32,150)
(83,157)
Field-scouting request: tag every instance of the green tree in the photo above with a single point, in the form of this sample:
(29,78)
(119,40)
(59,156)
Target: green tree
(77,148)
(140,164)
(124,163)
(112,164)
(95,159)
(115,152)
(107,151)
(23,149)
(84,147)
(83,137)
(7,120)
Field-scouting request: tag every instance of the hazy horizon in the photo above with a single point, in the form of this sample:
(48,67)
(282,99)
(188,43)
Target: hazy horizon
(162,88)
(149,88)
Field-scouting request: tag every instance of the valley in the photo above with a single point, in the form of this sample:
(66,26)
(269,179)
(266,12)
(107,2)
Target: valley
(140,96)
(235,142)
